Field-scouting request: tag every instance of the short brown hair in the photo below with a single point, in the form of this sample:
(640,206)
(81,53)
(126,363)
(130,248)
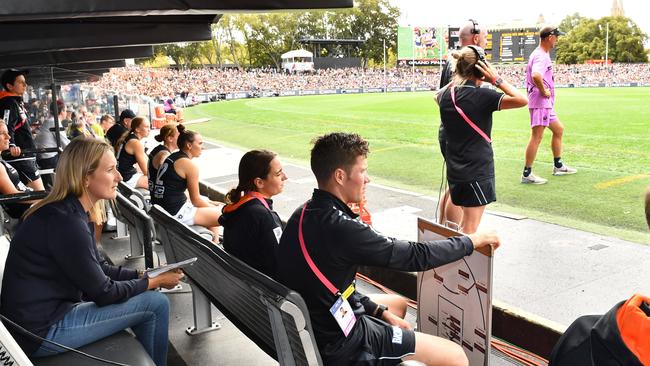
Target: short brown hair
(336,150)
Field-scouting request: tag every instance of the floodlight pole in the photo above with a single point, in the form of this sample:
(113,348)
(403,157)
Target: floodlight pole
(413,58)
(385,86)
(606,43)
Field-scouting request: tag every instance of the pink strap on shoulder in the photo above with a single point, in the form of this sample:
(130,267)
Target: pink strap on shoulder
(310,262)
(260,198)
(469,121)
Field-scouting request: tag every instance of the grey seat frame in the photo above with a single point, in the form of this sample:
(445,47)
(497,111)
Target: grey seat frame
(271,315)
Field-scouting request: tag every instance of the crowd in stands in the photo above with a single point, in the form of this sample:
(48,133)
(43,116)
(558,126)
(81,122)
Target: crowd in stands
(164,82)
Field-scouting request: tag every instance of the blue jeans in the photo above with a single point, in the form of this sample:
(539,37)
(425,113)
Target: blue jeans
(147,314)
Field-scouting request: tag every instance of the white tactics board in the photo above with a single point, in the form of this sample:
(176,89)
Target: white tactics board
(455,300)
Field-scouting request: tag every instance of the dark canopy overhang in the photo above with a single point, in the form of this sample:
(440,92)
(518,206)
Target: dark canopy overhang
(75,56)
(50,33)
(57,35)
(13,10)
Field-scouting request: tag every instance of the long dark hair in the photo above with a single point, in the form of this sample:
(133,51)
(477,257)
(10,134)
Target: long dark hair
(254,164)
(184,137)
(135,123)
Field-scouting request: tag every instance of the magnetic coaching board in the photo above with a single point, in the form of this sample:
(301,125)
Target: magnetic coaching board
(455,300)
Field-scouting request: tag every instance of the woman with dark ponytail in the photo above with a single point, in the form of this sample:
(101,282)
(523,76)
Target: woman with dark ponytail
(252,229)
(168,135)
(176,175)
(130,150)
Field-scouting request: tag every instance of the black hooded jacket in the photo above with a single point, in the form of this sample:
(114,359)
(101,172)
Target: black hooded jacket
(251,232)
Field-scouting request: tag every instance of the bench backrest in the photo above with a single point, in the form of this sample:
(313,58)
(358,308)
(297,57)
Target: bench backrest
(139,223)
(135,195)
(270,314)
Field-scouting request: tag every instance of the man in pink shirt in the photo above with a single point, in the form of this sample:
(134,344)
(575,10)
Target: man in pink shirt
(541,99)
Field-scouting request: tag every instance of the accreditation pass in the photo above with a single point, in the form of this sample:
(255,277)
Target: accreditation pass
(342,312)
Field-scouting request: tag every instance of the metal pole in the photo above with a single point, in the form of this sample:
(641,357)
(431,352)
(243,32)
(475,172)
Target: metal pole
(413,59)
(385,85)
(606,44)
(440,50)
(116,108)
(57,133)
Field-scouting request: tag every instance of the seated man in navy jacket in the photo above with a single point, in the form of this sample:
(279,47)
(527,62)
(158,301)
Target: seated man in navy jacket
(325,242)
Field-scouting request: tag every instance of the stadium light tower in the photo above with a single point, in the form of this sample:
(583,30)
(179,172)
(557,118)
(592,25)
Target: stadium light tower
(385,86)
(606,43)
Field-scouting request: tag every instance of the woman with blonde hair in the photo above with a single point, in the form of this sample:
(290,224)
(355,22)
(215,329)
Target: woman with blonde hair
(130,150)
(466,113)
(54,283)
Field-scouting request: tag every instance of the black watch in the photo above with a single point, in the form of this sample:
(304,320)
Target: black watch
(498,82)
(380,310)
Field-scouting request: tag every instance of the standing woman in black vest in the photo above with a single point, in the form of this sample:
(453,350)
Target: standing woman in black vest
(466,113)
(130,150)
(251,229)
(178,174)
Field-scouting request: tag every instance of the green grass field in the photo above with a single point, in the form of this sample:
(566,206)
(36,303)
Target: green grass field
(607,138)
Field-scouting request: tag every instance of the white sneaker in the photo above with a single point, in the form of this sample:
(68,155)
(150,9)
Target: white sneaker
(533,179)
(564,170)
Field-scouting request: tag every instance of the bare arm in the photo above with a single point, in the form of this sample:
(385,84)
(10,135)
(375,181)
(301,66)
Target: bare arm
(538,79)
(136,148)
(191,171)
(159,158)
(6,187)
(513,98)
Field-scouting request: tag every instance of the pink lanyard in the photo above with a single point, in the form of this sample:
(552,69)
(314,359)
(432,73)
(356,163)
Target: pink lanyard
(310,262)
(260,198)
(469,121)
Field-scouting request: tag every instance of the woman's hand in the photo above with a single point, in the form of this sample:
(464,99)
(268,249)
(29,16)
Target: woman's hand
(487,71)
(166,280)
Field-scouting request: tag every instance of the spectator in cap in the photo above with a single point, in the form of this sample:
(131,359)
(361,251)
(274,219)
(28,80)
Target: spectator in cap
(540,85)
(118,129)
(12,110)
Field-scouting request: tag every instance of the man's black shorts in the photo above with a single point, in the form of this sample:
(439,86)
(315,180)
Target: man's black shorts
(373,342)
(473,194)
(27,169)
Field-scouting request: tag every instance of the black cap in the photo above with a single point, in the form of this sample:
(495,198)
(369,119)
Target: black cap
(550,31)
(9,76)
(127,113)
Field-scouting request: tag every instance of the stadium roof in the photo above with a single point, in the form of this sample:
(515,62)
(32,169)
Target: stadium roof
(332,41)
(21,10)
(50,33)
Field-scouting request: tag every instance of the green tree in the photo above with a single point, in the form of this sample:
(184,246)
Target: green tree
(588,39)
(373,21)
(570,21)
(258,40)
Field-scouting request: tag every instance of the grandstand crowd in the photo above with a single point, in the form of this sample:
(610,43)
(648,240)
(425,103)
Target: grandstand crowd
(165,82)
